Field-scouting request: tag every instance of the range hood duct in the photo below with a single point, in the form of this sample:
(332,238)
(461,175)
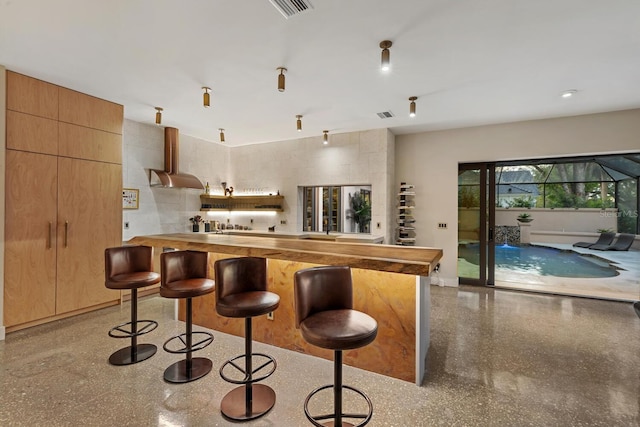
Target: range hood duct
(171,176)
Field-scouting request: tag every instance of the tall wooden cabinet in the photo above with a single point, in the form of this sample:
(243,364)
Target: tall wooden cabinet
(63,200)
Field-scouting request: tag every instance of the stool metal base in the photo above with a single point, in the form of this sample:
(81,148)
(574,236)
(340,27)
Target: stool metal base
(178,372)
(235,407)
(132,354)
(316,418)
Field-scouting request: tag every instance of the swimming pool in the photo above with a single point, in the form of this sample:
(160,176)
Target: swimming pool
(543,261)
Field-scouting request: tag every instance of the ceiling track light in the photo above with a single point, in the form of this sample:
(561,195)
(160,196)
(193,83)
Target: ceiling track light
(385,61)
(281,78)
(206,97)
(412,106)
(158,115)
(221,134)
(325,137)
(299,123)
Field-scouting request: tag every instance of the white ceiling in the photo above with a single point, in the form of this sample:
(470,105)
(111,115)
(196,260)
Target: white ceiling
(469,62)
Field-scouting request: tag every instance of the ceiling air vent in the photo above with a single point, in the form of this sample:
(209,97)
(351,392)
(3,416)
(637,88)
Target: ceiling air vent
(385,115)
(289,8)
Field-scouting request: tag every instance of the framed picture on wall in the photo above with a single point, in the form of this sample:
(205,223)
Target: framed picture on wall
(130,198)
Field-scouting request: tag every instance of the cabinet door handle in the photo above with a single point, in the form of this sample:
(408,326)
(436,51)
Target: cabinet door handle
(49,239)
(66,233)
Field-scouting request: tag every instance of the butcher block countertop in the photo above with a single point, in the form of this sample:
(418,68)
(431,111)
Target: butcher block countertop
(413,260)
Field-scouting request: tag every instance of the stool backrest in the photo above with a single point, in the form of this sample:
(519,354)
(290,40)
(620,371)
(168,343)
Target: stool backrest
(320,289)
(183,265)
(127,259)
(236,275)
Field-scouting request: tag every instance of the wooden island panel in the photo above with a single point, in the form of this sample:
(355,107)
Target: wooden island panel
(390,284)
(393,307)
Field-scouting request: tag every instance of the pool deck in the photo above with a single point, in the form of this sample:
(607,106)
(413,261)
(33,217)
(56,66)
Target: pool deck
(624,287)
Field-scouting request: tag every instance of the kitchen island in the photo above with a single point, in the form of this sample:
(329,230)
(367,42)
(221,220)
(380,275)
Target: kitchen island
(390,283)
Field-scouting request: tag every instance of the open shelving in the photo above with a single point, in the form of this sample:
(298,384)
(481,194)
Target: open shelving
(405,231)
(210,202)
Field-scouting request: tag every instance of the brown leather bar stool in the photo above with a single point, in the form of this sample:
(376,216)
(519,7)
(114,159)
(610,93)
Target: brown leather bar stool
(325,316)
(241,291)
(184,275)
(131,267)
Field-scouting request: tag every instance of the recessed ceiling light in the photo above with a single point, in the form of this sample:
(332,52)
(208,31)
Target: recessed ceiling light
(568,93)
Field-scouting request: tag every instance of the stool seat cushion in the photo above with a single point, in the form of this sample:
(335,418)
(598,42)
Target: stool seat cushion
(138,279)
(343,329)
(247,304)
(188,288)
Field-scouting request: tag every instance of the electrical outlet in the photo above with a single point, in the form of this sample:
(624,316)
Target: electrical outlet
(270,315)
(283,222)
(442,226)
(379,225)
(251,220)
(126,225)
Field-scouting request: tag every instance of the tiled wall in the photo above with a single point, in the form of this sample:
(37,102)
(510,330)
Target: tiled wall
(351,158)
(165,210)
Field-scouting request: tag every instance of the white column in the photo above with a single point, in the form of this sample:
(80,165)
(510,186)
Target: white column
(423,335)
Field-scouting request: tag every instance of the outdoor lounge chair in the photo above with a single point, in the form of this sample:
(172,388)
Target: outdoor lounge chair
(622,243)
(605,239)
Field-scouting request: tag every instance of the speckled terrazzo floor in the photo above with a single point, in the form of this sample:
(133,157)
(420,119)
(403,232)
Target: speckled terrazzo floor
(497,358)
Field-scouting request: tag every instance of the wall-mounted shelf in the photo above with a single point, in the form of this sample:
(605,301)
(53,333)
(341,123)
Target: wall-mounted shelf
(406,231)
(241,203)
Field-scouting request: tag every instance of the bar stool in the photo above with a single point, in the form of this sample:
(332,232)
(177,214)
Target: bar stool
(325,316)
(241,291)
(184,275)
(131,267)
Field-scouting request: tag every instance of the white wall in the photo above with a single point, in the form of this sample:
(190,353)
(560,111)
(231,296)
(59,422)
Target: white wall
(430,161)
(166,210)
(350,158)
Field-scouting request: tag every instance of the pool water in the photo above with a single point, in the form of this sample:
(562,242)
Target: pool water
(542,261)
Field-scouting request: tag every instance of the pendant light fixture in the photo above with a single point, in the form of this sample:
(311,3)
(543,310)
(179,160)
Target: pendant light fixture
(158,115)
(385,62)
(299,123)
(221,134)
(281,78)
(325,137)
(412,106)
(206,98)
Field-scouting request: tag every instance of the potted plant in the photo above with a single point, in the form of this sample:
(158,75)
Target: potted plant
(195,220)
(524,217)
(360,212)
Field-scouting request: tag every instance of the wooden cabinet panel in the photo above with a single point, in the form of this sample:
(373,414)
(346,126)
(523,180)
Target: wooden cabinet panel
(63,166)
(90,209)
(84,110)
(30,243)
(90,144)
(32,133)
(32,96)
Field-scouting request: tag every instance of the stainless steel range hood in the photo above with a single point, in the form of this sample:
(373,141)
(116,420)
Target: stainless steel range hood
(171,176)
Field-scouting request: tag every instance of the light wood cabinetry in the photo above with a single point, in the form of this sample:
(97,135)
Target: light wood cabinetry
(241,203)
(30,238)
(90,112)
(89,197)
(63,197)
(27,132)
(28,95)
(90,144)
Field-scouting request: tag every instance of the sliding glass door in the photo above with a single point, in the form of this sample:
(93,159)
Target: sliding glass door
(476,223)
